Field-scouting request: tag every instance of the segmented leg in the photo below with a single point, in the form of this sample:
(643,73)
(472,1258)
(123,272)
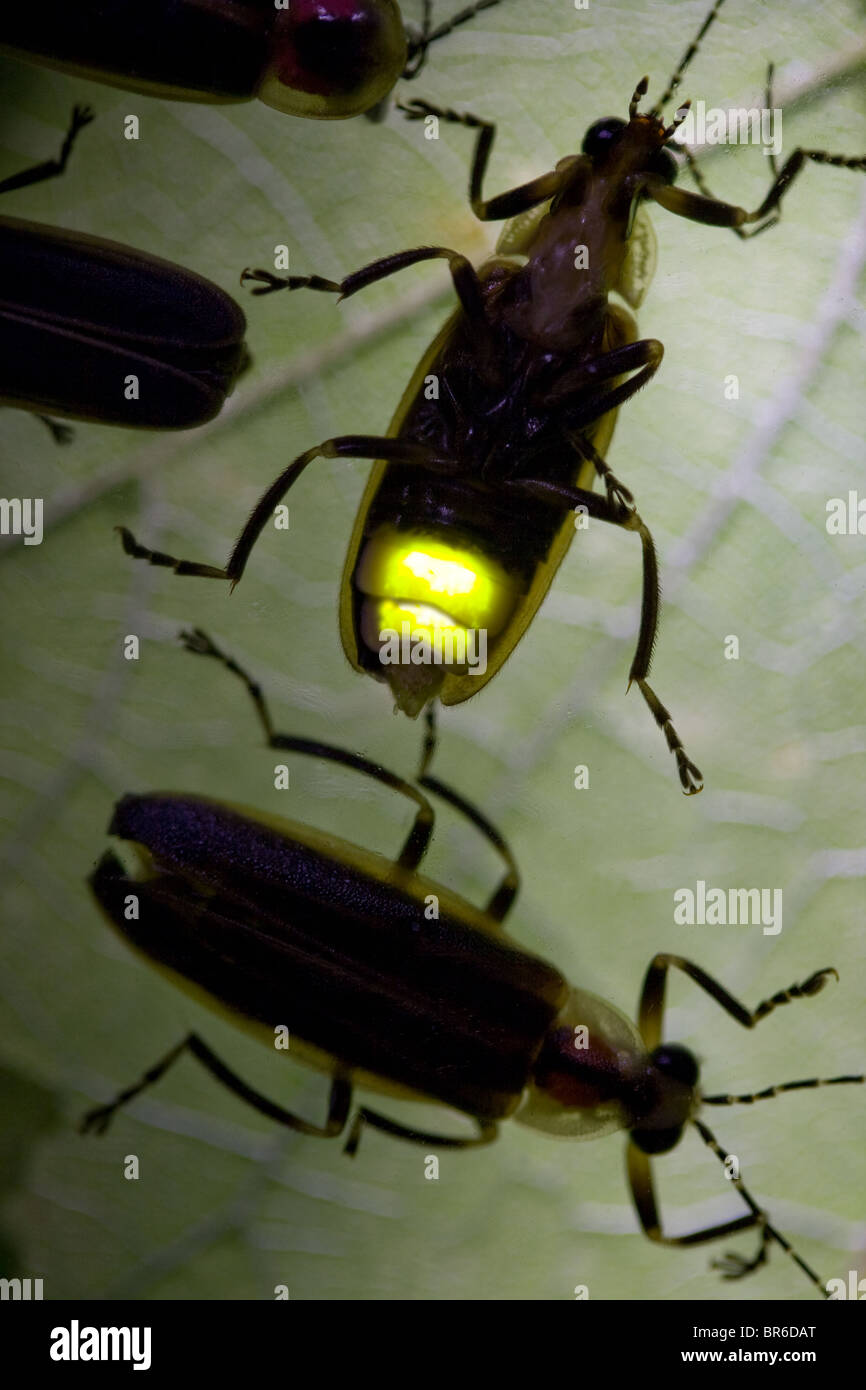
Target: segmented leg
(652,1001)
(339,1101)
(514,200)
(567,498)
(198,642)
(504,895)
(344,446)
(419,45)
(51,168)
(487,1132)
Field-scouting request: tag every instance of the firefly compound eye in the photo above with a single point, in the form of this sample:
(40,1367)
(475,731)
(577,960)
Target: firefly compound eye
(603,135)
(677,1063)
(664,163)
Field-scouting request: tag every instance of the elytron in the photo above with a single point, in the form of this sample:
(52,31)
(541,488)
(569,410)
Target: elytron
(93,330)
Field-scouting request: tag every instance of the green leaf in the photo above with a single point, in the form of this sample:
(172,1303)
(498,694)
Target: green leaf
(735,492)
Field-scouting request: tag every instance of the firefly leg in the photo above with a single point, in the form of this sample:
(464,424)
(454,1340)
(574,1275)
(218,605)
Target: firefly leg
(467,287)
(650,1015)
(514,200)
(198,642)
(418,42)
(344,446)
(51,168)
(431,739)
(567,498)
(503,897)
(461,269)
(782,179)
(587,380)
(487,1132)
(643,1193)
(713,212)
(652,1001)
(697,172)
(646,353)
(697,175)
(732,1266)
(466,283)
(793,166)
(60,433)
(339,1101)
(418,47)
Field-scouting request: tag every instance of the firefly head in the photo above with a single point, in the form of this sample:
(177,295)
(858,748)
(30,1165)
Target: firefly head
(639,142)
(670,1097)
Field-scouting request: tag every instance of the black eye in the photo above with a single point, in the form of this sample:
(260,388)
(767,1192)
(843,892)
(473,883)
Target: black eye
(602,136)
(656,1141)
(676,1062)
(664,163)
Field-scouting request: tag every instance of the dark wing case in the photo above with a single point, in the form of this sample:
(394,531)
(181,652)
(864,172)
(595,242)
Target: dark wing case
(290,927)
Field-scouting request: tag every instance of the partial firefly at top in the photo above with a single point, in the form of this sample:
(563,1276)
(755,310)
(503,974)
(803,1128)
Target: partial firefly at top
(325,59)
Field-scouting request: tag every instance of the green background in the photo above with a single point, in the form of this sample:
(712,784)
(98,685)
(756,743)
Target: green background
(735,493)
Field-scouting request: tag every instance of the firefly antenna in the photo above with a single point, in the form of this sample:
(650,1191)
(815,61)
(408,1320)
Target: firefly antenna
(678,119)
(733,1266)
(686,59)
(770,1091)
